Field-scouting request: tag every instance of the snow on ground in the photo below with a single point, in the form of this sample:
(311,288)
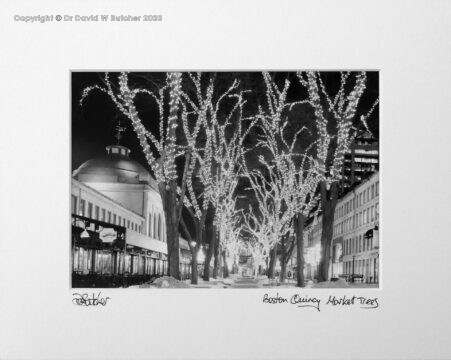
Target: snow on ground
(165,282)
(212,284)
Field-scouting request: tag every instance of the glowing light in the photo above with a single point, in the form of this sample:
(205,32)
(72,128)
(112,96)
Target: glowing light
(200,256)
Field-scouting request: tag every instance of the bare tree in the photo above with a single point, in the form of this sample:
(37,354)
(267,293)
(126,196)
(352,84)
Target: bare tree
(334,118)
(227,134)
(297,172)
(270,221)
(161,150)
(214,167)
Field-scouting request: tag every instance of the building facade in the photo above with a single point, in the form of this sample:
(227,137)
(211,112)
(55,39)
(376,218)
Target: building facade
(118,225)
(355,243)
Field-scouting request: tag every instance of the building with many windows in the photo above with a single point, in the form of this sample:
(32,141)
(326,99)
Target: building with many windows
(355,243)
(360,162)
(118,225)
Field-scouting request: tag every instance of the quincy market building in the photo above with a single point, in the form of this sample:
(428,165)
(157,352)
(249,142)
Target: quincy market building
(118,227)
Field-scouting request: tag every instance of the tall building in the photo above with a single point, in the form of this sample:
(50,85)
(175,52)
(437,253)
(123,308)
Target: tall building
(118,225)
(360,162)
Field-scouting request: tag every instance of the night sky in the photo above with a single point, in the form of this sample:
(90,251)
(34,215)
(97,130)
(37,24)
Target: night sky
(94,123)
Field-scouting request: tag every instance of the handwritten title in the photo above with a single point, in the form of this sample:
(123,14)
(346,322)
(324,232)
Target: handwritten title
(305,301)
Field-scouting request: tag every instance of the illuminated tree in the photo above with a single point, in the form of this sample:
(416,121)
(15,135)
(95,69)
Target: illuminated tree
(160,150)
(334,120)
(290,166)
(258,241)
(214,162)
(228,138)
(198,114)
(230,228)
(269,222)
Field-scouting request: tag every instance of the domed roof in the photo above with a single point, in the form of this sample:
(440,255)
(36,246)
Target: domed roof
(116,166)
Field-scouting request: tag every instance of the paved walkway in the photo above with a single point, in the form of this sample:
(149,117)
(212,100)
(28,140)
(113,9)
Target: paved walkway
(246,282)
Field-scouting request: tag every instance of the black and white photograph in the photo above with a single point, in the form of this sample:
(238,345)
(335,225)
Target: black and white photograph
(225,179)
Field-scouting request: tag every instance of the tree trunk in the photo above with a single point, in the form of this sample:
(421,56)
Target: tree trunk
(272,262)
(194,252)
(168,191)
(226,270)
(283,263)
(211,249)
(216,261)
(194,271)
(299,223)
(283,271)
(169,198)
(328,204)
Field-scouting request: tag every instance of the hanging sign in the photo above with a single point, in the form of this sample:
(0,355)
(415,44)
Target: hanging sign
(107,235)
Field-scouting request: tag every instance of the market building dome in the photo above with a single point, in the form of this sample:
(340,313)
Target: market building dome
(115,166)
